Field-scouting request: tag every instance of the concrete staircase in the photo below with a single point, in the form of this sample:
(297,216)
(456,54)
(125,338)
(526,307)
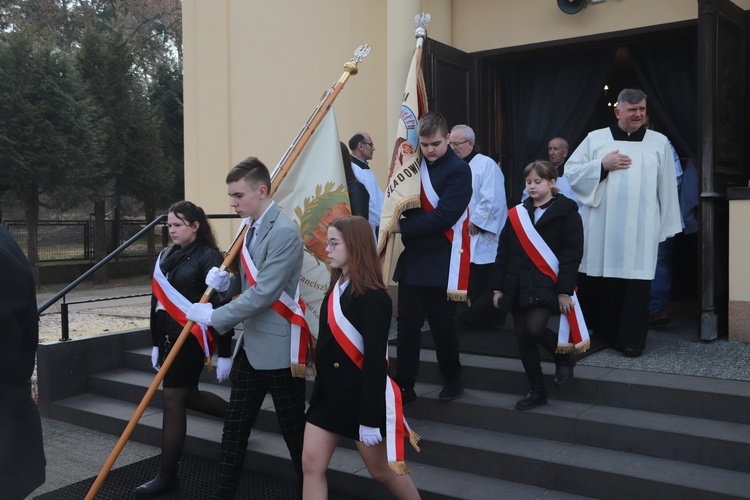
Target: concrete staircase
(612,434)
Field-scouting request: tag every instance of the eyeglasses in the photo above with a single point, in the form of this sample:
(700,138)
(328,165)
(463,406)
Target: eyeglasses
(457,144)
(368,143)
(332,243)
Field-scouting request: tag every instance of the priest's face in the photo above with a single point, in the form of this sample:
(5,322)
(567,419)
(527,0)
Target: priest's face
(630,116)
(433,146)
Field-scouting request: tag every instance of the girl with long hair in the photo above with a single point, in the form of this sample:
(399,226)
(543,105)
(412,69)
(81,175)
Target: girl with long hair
(348,398)
(179,274)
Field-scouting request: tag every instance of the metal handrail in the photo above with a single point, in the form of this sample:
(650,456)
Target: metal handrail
(65,334)
(62,293)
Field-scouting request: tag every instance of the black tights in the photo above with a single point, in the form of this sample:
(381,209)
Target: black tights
(174,425)
(531,329)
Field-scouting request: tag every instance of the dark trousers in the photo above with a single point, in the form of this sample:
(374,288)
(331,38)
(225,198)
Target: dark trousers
(479,308)
(249,387)
(415,303)
(531,330)
(616,310)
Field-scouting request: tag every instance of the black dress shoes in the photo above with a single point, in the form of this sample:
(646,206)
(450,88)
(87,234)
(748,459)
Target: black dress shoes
(408,396)
(564,364)
(532,400)
(161,484)
(632,352)
(451,390)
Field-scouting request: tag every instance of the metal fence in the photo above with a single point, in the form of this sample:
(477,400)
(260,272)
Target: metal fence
(75,240)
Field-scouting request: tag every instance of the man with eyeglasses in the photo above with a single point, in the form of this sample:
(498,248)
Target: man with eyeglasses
(487,213)
(362,151)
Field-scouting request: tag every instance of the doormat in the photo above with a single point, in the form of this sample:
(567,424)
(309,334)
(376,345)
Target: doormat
(197,482)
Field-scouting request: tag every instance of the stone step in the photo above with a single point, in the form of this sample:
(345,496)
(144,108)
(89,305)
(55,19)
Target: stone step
(267,454)
(699,397)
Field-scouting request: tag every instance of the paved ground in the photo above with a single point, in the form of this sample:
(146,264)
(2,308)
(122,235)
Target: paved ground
(75,453)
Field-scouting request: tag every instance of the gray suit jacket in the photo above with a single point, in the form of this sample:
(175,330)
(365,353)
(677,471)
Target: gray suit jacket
(277,254)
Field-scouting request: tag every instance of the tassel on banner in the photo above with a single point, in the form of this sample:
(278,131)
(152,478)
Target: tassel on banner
(583,346)
(399,468)
(299,370)
(414,440)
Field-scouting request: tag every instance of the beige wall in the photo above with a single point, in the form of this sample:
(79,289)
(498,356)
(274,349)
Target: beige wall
(255,70)
(739,277)
(491,24)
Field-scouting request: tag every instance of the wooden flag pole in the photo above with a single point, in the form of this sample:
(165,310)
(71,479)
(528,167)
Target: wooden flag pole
(278,175)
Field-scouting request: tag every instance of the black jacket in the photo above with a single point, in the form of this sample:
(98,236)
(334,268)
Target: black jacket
(425,260)
(357,395)
(186,268)
(514,274)
(22,462)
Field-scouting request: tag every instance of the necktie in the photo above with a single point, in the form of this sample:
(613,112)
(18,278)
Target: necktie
(250,236)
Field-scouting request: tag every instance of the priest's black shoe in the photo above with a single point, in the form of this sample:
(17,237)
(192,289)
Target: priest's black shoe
(632,352)
(564,364)
(161,484)
(532,400)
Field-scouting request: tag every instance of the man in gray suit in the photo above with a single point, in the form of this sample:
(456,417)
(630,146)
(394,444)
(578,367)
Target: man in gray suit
(262,358)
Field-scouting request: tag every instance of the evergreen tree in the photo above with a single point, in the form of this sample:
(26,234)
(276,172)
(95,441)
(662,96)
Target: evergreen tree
(50,134)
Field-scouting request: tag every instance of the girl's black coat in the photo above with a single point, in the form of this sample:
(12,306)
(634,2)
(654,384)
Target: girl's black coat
(186,268)
(514,274)
(357,396)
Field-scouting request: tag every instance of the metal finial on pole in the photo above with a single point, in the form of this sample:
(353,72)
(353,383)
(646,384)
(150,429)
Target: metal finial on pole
(421,21)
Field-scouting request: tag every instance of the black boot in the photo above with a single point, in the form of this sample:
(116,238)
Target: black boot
(564,364)
(162,483)
(535,397)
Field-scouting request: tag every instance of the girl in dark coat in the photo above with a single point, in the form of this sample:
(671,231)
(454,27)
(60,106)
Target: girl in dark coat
(184,264)
(531,295)
(348,398)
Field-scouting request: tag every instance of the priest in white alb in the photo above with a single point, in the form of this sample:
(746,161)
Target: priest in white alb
(624,176)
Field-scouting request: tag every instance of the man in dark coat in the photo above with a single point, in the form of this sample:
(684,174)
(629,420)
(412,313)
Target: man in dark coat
(22,462)
(423,268)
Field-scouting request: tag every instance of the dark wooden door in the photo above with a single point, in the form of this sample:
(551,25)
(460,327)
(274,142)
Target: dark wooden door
(451,83)
(722,126)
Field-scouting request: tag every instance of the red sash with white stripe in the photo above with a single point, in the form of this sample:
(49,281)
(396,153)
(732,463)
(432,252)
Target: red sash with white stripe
(292,310)
(351,341)
(177,306)
(458,235)
(573,334)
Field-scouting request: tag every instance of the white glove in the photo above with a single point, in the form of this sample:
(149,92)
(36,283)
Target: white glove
(223,367)
(369,435)
(218,280)
(155,358)
(200,313)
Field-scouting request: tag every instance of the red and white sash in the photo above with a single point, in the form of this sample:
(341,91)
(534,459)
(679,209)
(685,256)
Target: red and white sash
(177,306)
(458,235)
(351,341)
(573,334)
(292,310)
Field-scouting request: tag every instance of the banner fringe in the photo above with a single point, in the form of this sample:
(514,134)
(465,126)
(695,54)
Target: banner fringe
(414,439)
(457,295)
(299,370)
(399,468)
